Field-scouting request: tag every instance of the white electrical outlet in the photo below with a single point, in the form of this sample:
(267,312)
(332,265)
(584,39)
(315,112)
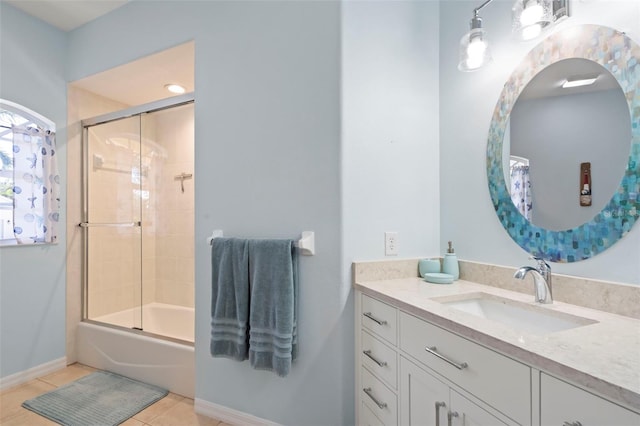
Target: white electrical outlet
(391,243)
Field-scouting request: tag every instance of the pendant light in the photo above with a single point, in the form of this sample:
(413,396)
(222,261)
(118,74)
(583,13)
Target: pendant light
(474,47)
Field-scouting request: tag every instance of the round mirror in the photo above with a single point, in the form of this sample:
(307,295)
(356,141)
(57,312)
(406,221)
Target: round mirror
(572,112)
(610,216)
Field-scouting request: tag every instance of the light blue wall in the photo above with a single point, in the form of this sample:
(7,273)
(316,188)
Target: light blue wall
(390,137)
(588,127)
(467,102)
(32,279)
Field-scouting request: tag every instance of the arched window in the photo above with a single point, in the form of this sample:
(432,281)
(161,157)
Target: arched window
(29,179)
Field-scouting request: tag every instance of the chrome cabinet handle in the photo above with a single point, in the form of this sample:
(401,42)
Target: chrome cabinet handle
(576,423)
(380,405)
(372,318)
(432,351)
(380,363)
(112,225)
(438,405)
(451,415)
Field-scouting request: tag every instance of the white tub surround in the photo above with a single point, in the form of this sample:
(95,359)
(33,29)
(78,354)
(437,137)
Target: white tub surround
(601,358)
(160,362)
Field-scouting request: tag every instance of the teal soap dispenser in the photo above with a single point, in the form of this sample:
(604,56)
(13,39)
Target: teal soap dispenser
(450,263)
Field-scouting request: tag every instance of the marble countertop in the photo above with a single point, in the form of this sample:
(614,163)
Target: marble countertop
(603,356)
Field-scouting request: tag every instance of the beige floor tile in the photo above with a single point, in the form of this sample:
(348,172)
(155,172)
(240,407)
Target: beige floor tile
(132,422)
(11,400)
(27,418)
(158,408)
(67,375)
(182,414)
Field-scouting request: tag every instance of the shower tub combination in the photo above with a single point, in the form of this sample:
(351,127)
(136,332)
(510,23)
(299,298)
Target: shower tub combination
(138,243)
(152,356)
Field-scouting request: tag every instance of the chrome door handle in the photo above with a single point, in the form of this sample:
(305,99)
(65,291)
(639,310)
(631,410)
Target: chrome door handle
(380,363)
(372,318)
(576,423)
(380,405)
(459,366)
(111,225)
(451,415)
(438,405)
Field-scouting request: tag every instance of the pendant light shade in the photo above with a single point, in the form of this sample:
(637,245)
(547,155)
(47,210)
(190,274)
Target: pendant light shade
(530,17)
(474,47)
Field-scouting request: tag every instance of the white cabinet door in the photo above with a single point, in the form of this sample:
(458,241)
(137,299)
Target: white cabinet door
(562,404)
(466,413)
(424,400)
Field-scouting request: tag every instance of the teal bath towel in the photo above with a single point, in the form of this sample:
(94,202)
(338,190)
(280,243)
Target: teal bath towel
(273,272)
(229,298)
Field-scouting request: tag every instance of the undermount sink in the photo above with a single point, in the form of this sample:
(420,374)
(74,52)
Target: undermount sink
(518,315)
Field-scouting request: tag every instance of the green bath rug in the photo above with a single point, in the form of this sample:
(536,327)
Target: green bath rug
(99,399)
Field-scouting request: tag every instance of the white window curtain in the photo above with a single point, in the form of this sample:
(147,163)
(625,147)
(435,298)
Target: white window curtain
(36,190)
(521,190)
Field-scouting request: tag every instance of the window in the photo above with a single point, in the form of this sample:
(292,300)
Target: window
(29,180)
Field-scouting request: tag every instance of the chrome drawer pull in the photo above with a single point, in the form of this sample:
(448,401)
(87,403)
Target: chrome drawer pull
(450,415)
(438,405)
(576,423)
(372,318)
(432,351)
(381,405)
(380,363)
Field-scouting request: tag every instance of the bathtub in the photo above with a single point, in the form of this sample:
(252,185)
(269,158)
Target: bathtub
(165,363)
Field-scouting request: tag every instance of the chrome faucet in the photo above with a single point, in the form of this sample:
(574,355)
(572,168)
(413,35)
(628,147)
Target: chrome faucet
(541,279)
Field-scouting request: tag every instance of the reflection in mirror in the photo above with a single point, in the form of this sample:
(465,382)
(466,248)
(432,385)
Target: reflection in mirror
(552,130)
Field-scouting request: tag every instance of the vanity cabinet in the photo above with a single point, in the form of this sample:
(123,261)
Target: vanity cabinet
(563,404)
(412,372)
(426,400)
(497,381)
(377,362)
(393,386)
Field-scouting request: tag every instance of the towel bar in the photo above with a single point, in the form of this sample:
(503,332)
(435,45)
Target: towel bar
(306,243)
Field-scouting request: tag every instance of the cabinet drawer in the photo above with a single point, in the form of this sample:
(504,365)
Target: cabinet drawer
(379,359)
(497,380)
(379,318)
(379,398)
(367,418)
(562,403)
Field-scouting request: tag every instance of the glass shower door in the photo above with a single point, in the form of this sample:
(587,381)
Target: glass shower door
(114,179)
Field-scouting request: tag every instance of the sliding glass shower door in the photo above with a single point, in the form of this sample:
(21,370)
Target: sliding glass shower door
(114,179)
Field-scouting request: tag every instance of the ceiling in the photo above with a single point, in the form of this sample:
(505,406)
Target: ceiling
(66,14)
(143,80)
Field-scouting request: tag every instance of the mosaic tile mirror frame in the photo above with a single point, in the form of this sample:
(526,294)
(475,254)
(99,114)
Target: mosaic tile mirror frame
(620,55)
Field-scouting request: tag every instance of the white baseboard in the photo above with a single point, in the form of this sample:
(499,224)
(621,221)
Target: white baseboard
(32,373)
(228,415)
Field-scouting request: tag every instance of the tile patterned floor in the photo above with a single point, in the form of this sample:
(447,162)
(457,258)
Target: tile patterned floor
(172,410)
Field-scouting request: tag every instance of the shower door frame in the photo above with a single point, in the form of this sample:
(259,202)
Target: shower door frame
(162,104)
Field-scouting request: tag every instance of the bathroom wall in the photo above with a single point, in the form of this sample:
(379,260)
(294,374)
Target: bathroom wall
(267,164)
(32,278)
(390,137)
(599,135)
(466,107)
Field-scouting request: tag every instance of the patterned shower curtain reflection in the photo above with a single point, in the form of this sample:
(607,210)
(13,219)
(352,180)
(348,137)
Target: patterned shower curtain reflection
(36,186)
(521,190)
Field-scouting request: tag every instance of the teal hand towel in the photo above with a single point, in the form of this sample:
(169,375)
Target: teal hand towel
(229,298)
(273,271)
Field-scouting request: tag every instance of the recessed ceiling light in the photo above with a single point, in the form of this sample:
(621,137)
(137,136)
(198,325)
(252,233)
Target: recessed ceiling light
(175,88)
(580,82)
